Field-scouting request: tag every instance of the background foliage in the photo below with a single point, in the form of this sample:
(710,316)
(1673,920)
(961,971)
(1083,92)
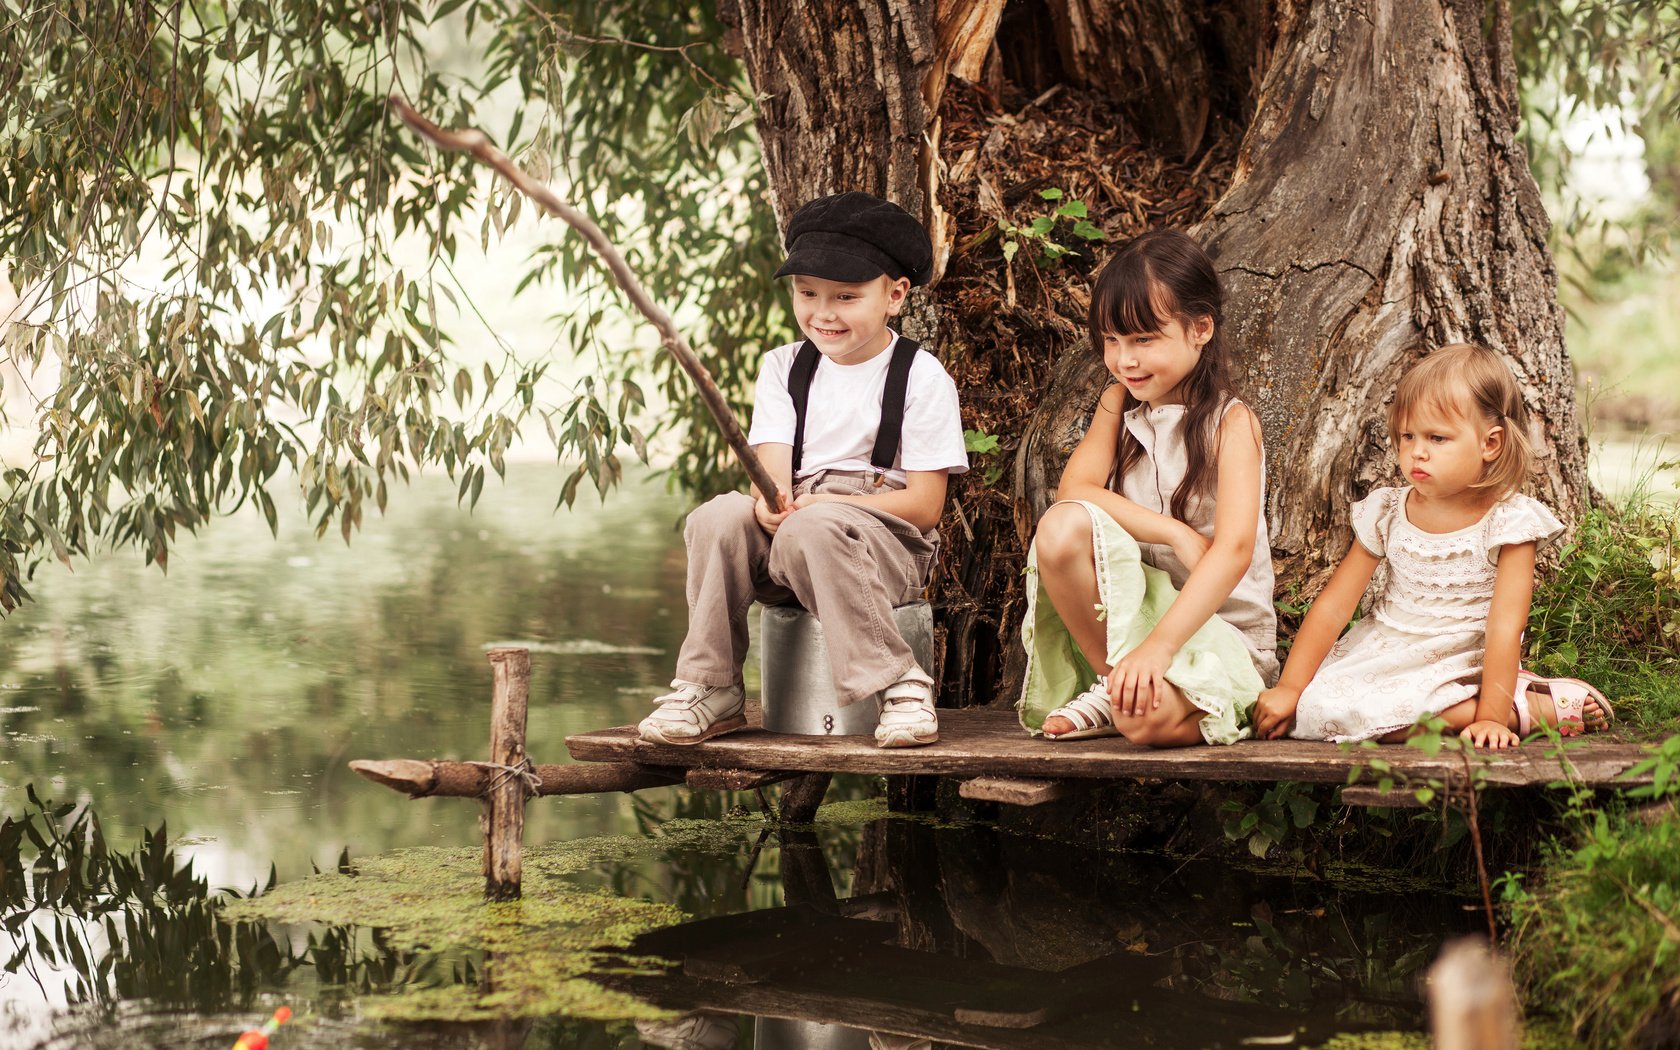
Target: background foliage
(202,207)
(237,275)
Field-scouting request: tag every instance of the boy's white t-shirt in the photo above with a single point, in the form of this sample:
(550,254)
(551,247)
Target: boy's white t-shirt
(843,412)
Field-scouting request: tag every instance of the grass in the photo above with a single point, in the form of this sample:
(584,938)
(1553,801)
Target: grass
(1597,943)
(1609,613)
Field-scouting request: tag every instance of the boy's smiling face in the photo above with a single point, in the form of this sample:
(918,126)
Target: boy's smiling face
(847,322)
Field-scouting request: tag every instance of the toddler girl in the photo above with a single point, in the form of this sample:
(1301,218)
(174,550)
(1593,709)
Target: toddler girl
(1445,636)
(1150,582)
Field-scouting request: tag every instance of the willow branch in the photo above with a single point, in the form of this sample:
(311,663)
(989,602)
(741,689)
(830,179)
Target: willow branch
(478,144)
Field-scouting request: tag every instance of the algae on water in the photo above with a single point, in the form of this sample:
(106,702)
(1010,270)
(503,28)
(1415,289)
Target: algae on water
(528,958)
(535,955)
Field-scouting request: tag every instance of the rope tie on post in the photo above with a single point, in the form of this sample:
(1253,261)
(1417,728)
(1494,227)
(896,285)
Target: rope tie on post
(501,774)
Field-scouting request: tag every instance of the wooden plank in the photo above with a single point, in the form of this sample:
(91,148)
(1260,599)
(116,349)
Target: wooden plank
(1016,791)
(442,778)
(1371,795)
(709,779)
(989,742)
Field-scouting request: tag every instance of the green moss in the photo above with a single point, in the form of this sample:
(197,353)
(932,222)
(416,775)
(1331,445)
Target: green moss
(531,957)
(1534,1037)
(858,811)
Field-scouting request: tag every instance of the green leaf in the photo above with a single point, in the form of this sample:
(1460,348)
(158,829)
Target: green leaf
(1072,210)
(1051,194)
(1303,810)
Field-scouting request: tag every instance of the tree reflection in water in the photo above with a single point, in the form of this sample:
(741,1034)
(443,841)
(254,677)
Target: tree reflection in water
(959,933)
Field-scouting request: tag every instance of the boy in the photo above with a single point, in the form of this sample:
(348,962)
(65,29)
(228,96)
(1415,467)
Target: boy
(862,429)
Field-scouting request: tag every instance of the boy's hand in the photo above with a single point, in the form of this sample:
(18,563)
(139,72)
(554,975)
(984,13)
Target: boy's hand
(767,520)
(806,499)
(1274,712)
(1136,682)
(1189,546)
(1490,735)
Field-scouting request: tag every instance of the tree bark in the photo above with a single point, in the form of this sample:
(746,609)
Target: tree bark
(1148,52)
(1380,205)
(841,104)
(1383,206)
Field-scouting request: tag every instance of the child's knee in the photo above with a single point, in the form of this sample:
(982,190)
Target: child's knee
(1063,533)
(815,529)
(721,516)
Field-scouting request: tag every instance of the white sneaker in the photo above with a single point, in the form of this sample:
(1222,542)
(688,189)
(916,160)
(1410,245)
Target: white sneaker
(907,715)
(690,713)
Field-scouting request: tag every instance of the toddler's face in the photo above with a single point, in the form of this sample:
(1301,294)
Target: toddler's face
(847,322)
(1442,453)
(1152,365)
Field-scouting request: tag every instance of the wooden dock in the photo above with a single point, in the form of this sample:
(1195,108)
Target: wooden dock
(989,744)
(985,748)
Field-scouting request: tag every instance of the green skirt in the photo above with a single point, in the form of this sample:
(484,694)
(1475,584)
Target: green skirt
(1213,669)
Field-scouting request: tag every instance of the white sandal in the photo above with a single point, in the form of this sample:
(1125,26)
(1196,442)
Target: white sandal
(1091,713)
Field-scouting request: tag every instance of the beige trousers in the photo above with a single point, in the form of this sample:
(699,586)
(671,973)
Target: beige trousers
(847,564)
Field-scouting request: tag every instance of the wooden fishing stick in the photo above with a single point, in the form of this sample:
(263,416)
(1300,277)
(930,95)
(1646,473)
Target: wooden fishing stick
(478,144)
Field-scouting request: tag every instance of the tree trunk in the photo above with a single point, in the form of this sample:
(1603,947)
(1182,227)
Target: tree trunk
(1383,206)
(1378,204)
(840,85)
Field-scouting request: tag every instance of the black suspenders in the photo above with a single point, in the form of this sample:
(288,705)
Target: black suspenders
(887,436)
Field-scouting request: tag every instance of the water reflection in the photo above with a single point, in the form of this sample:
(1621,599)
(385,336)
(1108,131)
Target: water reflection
(228,696)
(972,937)
(227,699)
(962,935)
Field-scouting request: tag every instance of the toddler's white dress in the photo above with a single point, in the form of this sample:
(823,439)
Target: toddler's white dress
(1419,649)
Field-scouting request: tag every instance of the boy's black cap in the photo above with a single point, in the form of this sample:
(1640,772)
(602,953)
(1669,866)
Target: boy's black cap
(855,237)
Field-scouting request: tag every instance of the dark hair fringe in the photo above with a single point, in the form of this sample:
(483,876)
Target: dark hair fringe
(1159,276)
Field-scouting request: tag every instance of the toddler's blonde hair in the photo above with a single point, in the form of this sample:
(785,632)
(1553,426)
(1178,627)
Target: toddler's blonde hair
(1467,381)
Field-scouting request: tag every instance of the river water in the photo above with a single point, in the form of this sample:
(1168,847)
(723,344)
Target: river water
(225,698)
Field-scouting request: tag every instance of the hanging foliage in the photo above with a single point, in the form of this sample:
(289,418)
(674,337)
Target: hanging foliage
(211,223)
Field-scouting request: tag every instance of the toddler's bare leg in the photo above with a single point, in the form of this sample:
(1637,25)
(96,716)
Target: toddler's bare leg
(1458,717)
(1540,705)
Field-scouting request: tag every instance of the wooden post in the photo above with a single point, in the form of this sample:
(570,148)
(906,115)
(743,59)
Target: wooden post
(801,798)
(1472,1005)
(504,802)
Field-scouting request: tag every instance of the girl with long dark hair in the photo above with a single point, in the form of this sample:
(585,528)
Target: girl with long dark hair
(1150,593)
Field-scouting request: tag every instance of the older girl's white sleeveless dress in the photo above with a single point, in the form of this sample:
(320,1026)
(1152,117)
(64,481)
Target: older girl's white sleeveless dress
(1419,650)
(1224,665)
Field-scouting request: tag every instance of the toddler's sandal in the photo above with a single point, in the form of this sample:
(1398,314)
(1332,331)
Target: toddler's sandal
(1570,696)
(1090,714)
